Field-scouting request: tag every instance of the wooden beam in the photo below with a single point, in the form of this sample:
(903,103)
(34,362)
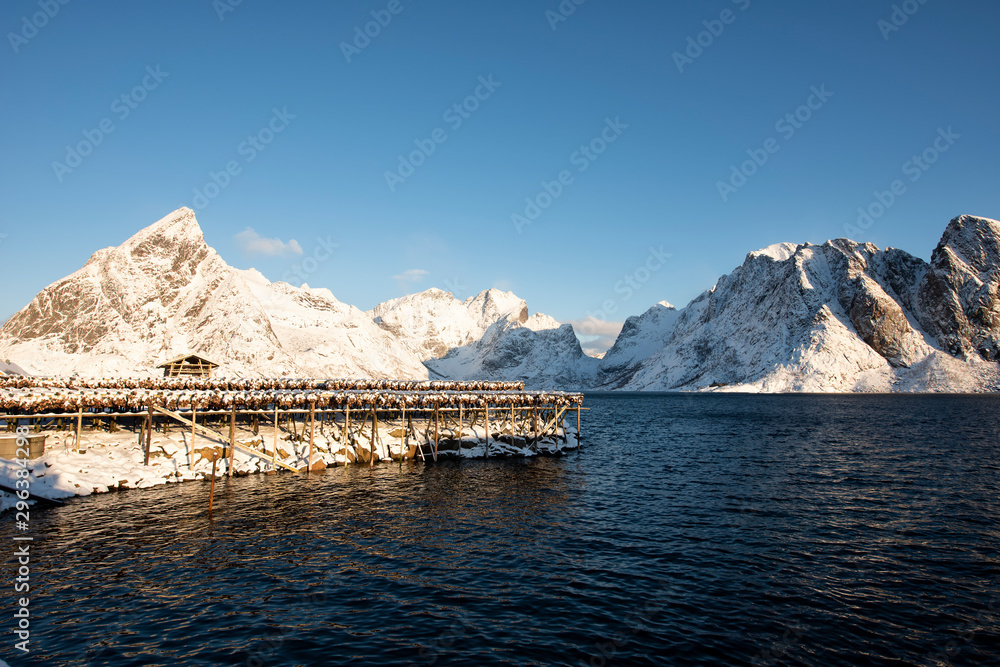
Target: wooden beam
(312,427)
(149,435)
(79,427)
(241,447)
(194,422)
(436,434)
(487,412)
(347,432)
(554,420)
(232,439)
(402,437)
(371,459)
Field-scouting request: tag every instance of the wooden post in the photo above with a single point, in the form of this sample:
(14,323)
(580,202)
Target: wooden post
(436,434)
(347,432)
(79,427)
(487,430)
(460,407)
(312,427)
(511,424)
(578,427)
(232,438)
(420,448)
(534,416)
(211,491)
(194,420)
(371,459)
(149,436)
(274,452)
(402,437)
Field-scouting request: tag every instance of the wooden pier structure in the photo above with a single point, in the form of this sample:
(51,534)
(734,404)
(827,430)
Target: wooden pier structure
(321,422)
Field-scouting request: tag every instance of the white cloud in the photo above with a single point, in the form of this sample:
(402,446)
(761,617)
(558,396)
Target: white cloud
(596,336)
(411,276)
(252,243)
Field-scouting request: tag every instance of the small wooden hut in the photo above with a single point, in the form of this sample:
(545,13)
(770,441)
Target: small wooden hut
(188,365)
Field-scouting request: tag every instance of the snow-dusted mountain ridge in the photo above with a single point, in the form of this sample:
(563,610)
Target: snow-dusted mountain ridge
(841,316)
(165,292)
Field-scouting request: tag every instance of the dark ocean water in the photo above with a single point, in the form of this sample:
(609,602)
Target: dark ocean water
(691,530)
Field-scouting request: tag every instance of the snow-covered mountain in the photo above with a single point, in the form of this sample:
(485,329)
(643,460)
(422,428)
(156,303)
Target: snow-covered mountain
(165,292)
(841,316)
(490,336)
(432,322)
(535,347)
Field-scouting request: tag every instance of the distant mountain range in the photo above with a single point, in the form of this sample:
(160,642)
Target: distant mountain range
(841,316)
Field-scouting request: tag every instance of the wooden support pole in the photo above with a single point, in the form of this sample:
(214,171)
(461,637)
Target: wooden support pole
(578,427)
(149,436)
(274,451)
(194,423)
(512,424)
(312,427)
(371,459)
(534,417)
(347,432)
(211,491)
(79,427)
(487,430)
(232,438)
(402,438)
(212,434)
(436,434)
(460,406)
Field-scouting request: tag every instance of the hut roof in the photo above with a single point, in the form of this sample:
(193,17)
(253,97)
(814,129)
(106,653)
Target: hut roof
(188,357)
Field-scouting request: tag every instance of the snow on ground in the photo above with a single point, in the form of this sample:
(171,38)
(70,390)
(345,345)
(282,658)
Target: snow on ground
(106,461)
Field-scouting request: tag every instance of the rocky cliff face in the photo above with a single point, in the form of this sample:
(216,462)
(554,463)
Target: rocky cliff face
(959,295)
(842,316)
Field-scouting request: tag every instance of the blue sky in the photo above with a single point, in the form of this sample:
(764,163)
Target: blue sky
(666,98)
